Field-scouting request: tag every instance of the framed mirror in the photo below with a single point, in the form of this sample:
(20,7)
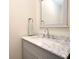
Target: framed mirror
(54,13)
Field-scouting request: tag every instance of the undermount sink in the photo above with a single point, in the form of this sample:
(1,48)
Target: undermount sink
(58,41)
(41,36)
(54,37)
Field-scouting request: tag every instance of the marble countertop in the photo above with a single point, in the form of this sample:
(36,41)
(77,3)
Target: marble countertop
(59,46)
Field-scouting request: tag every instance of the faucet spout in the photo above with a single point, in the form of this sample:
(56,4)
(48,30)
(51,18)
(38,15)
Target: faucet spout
(47,31)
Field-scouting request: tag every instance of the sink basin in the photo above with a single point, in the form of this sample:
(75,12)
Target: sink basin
(58,40)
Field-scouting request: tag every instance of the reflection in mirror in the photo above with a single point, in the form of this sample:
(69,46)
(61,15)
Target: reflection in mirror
(54,12)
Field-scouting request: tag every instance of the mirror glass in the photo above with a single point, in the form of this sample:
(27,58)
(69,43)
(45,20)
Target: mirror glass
(54,13)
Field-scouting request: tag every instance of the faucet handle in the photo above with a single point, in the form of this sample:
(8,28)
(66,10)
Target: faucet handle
(53,37)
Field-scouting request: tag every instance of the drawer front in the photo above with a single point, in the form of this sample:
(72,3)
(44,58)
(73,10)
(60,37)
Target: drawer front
(36,52)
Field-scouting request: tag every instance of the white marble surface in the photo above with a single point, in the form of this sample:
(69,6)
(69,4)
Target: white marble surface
(59,46)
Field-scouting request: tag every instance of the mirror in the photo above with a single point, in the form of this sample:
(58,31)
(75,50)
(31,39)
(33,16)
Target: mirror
(54,13)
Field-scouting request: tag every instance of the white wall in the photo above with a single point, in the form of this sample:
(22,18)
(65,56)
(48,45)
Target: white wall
(58,31)
(20,10)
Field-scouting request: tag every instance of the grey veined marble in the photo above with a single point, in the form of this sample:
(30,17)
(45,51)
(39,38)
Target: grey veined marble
(59,46)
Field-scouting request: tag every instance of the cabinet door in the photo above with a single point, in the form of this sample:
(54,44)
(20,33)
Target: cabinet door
(31,51)
(28,54)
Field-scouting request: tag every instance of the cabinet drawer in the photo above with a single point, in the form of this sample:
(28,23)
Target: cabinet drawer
(37,52)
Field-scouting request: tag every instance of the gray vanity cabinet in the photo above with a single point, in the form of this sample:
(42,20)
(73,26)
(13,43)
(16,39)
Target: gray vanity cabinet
(31,51)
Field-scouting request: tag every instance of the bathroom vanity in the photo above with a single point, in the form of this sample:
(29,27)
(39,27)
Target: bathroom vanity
(34,47)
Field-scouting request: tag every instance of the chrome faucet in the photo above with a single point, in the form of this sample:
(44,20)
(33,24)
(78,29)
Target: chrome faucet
(46,33)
